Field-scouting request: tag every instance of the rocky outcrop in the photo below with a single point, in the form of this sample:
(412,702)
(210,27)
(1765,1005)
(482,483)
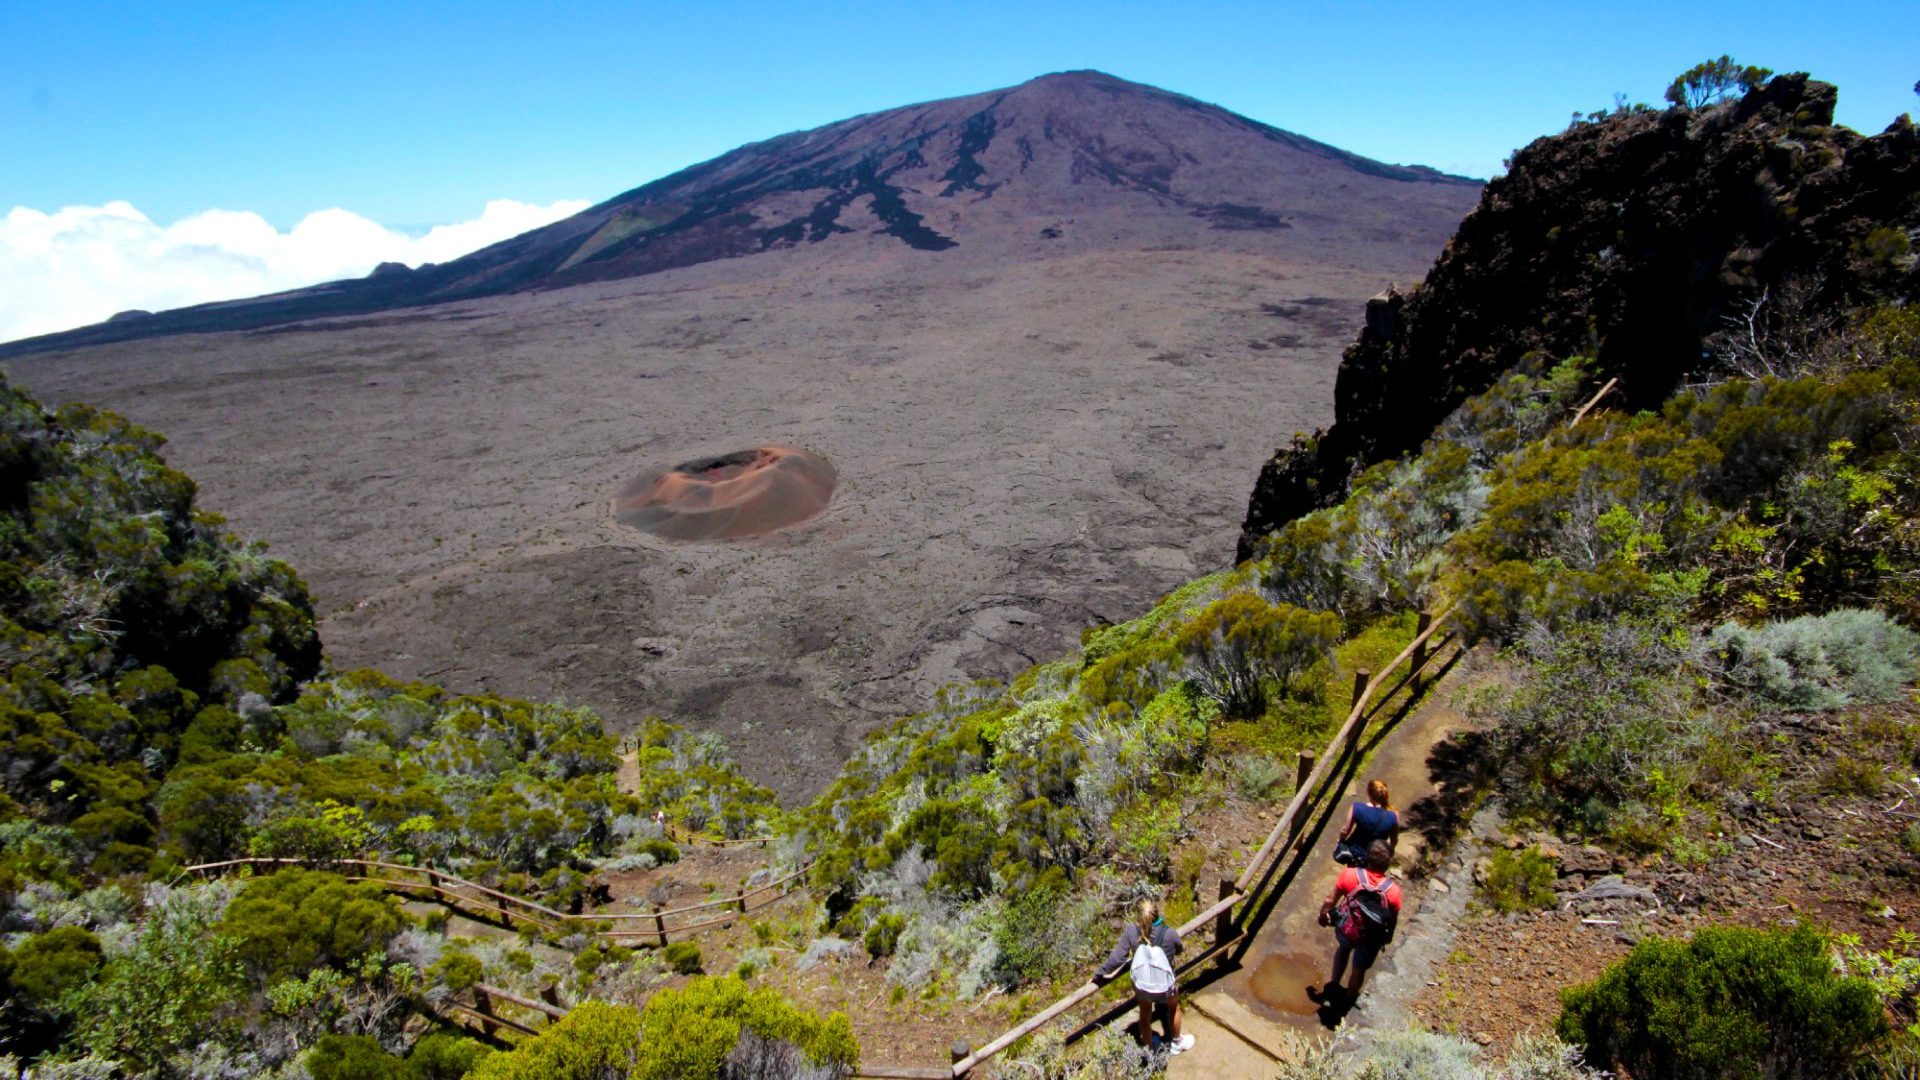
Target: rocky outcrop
(1633,240)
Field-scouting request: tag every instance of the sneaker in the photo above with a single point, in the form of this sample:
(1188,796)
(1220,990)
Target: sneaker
(1182,1044)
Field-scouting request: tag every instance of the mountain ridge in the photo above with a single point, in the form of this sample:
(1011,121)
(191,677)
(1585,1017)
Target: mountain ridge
(1072,134)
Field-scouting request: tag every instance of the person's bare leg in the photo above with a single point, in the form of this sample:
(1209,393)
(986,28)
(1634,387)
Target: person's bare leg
(1339,966)
(1146,1024)
(1173,1018)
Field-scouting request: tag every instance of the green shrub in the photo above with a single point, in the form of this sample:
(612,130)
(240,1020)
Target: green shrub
(719,1027)
(1424,1055)
(682,957)
(663,851)
(594,1041)
(1845,657)
(48,966)
(1605,720)
(714,1028)
(883,936)
(1242,649)
(167,993)
(1258,777)
(288,922)
(1731,1002)
(1035,933)
(355,1057)
(1852,776)
(1519,880)
(445,1055)
(458,970)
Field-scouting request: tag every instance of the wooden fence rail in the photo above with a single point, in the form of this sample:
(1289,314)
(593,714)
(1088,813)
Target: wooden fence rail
(649,927)
(1417,655)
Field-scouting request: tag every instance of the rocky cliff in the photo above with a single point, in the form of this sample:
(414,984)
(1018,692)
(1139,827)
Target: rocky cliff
(1637,240)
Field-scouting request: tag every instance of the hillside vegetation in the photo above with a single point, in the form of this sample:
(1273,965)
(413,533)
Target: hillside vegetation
(1659,577)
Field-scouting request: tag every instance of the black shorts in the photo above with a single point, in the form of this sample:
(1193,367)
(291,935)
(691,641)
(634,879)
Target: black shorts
(1141,997)
(1362,956)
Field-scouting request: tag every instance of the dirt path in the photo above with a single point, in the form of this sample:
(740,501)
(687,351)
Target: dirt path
(1245,1016)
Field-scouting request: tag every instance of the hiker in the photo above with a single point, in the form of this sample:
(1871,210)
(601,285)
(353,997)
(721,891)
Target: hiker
(1364,910)
(1152,945)
(1375,819)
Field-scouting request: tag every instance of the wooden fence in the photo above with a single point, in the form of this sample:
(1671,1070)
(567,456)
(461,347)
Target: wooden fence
(491,905)
(1233,892)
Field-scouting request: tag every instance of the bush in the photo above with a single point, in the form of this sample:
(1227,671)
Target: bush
(1243,648)
(1519,880)
(291,921)
(1258,777)
(1731,1002)
(170,990)
(1039,931)
(594,1041)
(1604,719)
(444,1055)
(663,851)
(1425,1055)
(355,1057)
(682,957)
(1846,657)
(883,936)
(719,1027)
(47,967)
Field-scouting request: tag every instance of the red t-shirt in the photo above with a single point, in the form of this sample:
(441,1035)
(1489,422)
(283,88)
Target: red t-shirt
(1350,882)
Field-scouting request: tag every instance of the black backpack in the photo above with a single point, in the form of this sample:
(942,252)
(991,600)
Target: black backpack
(1366,919)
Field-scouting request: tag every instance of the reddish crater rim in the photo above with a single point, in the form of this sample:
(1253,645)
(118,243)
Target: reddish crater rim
(730,496)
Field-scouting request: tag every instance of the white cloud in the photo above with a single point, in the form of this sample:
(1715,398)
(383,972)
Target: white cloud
(81,264)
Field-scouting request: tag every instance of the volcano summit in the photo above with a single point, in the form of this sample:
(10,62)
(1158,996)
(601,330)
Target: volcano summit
(1045,336)
(1054,159)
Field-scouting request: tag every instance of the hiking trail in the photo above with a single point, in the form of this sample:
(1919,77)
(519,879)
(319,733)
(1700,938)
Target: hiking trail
(1249,1016)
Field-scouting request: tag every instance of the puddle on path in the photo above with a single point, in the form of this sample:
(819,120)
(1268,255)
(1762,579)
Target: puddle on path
(1281,981)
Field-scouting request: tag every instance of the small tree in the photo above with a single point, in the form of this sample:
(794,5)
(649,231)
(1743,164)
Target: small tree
(1713,81)
(1241,643)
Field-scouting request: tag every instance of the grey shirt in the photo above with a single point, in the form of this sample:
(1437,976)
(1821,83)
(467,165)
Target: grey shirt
(1122,954)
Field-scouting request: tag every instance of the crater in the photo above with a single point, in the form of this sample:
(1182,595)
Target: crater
(730,497)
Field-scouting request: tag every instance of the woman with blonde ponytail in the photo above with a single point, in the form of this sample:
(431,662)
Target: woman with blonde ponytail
(1151,945)
(1375,819)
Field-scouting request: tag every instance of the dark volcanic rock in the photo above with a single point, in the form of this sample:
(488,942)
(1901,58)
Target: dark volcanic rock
(992,172)
(1632,240)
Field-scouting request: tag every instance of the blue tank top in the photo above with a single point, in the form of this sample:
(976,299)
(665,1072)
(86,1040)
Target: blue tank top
(1372,823)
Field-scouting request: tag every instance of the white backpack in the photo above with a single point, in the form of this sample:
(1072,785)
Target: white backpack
(1152,972)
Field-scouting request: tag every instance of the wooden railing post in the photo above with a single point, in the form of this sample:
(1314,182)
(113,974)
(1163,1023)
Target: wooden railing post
(1419,660)
(1303,773)
(1223,923)
(961,1050)
(483,1004)
(1360,680)
(660,926)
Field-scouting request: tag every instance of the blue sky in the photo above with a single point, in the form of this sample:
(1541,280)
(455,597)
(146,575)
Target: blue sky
(414,114)
(411,115)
